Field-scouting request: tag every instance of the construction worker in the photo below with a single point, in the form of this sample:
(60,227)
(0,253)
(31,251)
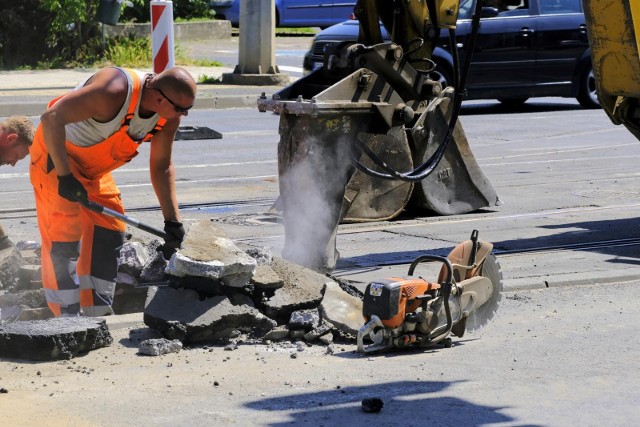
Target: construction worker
(16,135)
(82,137)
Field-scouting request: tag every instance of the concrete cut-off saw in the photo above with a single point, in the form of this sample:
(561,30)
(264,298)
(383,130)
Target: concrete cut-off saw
(413,312)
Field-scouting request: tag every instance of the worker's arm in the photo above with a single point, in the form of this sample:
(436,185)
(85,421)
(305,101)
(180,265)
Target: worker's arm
(101,99)
(162,170)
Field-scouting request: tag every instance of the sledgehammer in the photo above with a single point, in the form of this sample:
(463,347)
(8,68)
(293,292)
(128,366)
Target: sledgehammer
(124,218)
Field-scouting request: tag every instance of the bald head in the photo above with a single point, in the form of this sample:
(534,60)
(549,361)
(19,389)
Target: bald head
(176,80)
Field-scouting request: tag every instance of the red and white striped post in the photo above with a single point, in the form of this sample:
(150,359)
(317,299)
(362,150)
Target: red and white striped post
(162,35)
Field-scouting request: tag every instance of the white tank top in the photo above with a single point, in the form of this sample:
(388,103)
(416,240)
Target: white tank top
(91,132)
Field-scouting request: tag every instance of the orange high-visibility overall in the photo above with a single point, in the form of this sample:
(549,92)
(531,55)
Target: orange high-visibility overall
(80,248)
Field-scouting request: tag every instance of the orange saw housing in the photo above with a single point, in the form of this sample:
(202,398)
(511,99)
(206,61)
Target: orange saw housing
(391,299)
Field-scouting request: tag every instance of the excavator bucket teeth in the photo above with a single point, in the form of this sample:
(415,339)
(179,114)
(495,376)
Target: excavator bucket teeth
(457,185)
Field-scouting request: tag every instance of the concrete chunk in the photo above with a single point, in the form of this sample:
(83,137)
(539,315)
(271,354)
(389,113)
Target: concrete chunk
(304,319)
(303,289)
(27,299)
(154,269)
(53,339)
(10,263)
(29,277)
(133,257)
(206,253)
(341,309)
(159,346)
(180,314)
(266,278)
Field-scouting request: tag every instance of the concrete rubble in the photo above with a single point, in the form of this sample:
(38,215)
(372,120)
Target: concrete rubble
(211,291)
(53,339)
(159,346)
(208,253)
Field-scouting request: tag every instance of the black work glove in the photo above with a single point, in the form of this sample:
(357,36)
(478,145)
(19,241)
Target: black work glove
(71,189)
(175,234)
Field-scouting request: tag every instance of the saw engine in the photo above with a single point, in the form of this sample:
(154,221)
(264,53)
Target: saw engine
(405,312)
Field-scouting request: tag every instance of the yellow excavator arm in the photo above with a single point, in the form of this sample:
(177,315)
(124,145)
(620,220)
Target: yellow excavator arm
(613,28)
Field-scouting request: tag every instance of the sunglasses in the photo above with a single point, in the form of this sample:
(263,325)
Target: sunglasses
(178,108)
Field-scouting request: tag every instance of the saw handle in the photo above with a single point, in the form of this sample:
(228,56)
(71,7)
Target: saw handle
(442,259)
(445,287)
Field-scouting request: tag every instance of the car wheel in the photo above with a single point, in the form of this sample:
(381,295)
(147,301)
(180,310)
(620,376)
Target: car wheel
(512,102)
(587,94)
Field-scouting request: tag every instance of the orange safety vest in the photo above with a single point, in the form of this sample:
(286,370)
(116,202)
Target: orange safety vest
(108,155)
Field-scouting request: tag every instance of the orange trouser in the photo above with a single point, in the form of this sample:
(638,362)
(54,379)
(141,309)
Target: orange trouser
(80,248)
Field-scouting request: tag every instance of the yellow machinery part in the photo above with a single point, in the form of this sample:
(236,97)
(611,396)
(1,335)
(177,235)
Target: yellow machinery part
(447,11)
(612,28)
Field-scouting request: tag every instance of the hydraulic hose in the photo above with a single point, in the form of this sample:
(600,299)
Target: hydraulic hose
(425,169)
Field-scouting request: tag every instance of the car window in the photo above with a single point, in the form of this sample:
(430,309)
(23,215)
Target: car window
(466,9)
(515,8)
(551,7)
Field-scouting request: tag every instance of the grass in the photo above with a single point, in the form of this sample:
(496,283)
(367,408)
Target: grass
(135,52)
(301,31)
(207,80)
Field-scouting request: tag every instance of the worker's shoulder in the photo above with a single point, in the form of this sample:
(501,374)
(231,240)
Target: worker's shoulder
(111,79)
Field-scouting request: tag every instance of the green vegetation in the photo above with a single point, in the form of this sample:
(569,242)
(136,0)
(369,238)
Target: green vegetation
(205,79)
(300,31)
(66,33)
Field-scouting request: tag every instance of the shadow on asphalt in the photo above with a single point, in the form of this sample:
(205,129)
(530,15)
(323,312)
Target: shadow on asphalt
(618,238)
(406,403)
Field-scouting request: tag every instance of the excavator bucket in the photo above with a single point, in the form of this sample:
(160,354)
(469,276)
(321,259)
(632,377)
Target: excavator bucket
(320,187)
(357,135)
(457,185)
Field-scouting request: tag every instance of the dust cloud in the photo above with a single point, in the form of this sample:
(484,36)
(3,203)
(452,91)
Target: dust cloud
(312,190)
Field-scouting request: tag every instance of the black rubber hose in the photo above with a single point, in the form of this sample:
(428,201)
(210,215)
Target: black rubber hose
(424,170)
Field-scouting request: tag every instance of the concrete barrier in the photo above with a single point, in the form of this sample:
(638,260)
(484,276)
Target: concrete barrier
(202,30)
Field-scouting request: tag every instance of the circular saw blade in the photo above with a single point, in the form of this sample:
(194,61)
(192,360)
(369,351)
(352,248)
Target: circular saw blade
(480,316)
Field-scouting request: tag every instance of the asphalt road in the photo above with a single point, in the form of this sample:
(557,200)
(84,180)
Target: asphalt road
(289,52)
(562,349)
(566,176)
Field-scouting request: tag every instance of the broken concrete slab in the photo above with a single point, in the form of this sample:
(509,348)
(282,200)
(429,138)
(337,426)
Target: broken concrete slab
(181,314)
(154,269)
(323,329)
(303,289)
(126,279)
(5,242)
(266,278)
(206,287)
(10,263)
(29,277)
(133,258)
(129,299)
(34,298)
(54,339)
(159,346)
(326,339)
(261,254)
(276,334)
(342,309)
(207,253)
(304,319)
